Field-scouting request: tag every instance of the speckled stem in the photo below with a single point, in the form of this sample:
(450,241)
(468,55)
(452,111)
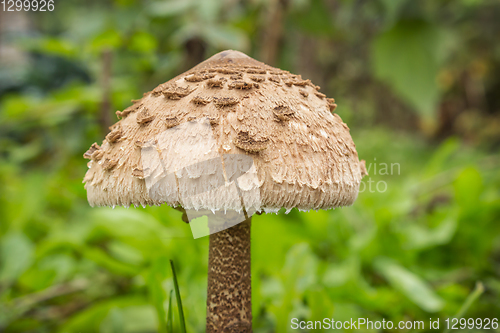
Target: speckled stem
(229,302)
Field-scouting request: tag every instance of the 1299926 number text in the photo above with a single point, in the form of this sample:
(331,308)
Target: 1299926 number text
(471,323)
(27,5)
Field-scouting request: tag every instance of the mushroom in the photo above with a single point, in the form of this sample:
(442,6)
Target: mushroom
(213,142)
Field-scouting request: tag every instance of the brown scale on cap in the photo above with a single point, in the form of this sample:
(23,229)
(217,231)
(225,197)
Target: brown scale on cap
(362,166)
(145,117)
(201,100)
(303,92)
(198,77)
(114,135)
(193,78)
(283,113)
(257,78)
(225,101)
(320,95)
(88,154)
(301,83)
(248,144)
(97,155)
(214,120)
(216,83)
(227,71)
(130,109)
(138,173)
(274,78)
(171,122)
(109,164)
(296,80)
(145,144)
(241,85)
(175,92)
(331,104)
(256,71)
(159,90)
(238,76)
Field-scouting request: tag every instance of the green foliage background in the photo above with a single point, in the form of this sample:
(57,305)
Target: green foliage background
(418,83)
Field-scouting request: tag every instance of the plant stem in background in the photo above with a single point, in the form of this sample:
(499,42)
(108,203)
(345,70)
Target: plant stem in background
(105,116)
(273,31)
(229,302)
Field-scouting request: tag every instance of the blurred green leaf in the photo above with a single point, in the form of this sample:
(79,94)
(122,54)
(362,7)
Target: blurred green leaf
(125,253)
(468,188)
(143,42)
(421,237)
(103,259)
(226,37)
(48,270)
(22,153)
(407,57)
(338,274)
(131,319)
(139,318)
(441,155)
(298,275)
(54,46)
(113,323)
(170,7)
(300,268)
(320,304)
(134,309)
(109,39)
(36,279)
(315,18)
(14,106)
(136,228)
(16,256)
(209,10)
(392,8)
(409,284)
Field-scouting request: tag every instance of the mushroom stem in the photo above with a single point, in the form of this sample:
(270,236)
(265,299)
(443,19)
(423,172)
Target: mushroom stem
(229,302)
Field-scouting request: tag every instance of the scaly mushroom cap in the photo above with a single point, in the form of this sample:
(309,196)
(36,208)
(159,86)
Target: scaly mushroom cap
(176,145)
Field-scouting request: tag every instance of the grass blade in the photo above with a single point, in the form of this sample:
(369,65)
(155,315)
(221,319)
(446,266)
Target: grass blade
(157,274)
(179,302)
(170,315)
(478,291)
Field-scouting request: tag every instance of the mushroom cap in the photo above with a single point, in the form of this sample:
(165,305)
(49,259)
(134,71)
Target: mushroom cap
(229,120)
